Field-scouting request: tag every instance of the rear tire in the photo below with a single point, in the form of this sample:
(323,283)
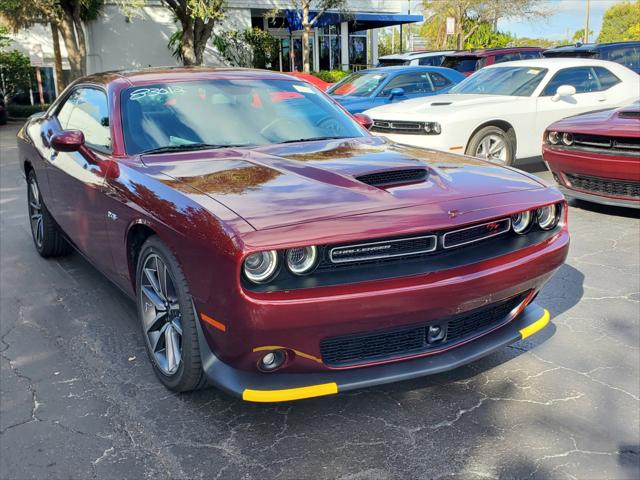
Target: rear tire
(167,318)
(494,144)
(47,236)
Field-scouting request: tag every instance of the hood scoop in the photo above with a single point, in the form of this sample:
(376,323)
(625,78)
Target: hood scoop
(388,178)
(440,104)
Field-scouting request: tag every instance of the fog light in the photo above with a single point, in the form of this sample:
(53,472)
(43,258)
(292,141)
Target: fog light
(435,333)
(272,360)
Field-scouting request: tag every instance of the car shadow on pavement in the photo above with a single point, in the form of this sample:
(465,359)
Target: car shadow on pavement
(605,209)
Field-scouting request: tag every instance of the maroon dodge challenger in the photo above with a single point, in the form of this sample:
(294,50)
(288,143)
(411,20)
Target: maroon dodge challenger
(596,156)
(277,250)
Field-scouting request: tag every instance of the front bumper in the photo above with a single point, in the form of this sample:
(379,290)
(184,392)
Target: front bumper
(278,387)
(570,193)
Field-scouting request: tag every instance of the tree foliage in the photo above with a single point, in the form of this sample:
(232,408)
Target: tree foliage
(469,15)
(251,48)
(621,22)
(197,19)
(579,35)
(15,69)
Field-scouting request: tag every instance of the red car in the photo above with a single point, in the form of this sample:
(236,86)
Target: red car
(273,246)
(596,156)
(312,79)
(468,61)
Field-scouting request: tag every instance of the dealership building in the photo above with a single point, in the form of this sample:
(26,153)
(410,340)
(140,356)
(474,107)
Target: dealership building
(339,40)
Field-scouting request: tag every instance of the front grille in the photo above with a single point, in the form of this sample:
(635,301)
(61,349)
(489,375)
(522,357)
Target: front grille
(605,186)
(407,128)
(394,177)
(361,348)
(384,249)
(600,142)
(476,233)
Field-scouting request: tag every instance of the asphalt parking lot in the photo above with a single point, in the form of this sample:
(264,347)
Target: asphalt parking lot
(79,398)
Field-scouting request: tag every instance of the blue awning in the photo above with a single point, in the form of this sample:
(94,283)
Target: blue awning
(357,21)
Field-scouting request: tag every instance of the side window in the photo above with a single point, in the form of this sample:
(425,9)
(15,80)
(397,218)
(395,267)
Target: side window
(439,81)
(87,110)
(582,78)
(507,57)
(433,61)
(65,112)
(606,78)
(530,55)
(415,82)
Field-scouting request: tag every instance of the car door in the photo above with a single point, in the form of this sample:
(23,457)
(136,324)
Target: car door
(591,84)
(76,181)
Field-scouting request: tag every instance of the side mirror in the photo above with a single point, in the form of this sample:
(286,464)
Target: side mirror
(67,141)
(364,120)
(564,91)
(396,92)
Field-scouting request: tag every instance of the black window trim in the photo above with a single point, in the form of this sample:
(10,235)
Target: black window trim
(57,107)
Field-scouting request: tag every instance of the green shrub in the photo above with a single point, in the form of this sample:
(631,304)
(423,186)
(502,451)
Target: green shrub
(24,111)
(331,76)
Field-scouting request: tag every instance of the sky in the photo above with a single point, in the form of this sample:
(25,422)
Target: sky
(567,17)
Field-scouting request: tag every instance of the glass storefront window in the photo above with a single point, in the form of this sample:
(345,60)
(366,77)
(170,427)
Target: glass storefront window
(329,40)
(358,50)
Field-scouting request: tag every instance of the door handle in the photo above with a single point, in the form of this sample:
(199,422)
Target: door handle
(53,155)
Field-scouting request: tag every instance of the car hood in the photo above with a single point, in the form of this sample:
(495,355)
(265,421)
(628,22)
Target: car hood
(619,122)
(281,185)
(448,103)
(353,103)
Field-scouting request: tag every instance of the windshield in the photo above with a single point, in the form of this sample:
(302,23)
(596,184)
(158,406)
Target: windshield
(512,81)
(357,84)
(229,113)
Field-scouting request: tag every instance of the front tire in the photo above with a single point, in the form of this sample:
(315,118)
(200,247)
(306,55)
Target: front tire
(47,235)
(493,144)
(167,317)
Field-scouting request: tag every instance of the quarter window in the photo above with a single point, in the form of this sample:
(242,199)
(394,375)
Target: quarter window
(606,78)
(439,81)
(87,110)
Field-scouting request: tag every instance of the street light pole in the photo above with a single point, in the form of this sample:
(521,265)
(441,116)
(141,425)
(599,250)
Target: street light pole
(585,37)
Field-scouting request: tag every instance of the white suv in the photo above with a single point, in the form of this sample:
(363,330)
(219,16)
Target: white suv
(430,58)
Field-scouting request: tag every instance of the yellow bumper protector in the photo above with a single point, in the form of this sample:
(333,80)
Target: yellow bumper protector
(290,393)
(536,326)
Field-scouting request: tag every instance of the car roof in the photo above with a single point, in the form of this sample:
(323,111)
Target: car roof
(591,47)
(396,69)
(416,54)
(486,52)
(152,74)
(558,62)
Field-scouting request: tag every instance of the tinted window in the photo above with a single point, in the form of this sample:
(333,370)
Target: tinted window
(528,55)
(391,62)
(229,112)
(87,110)
(627,56)
(433,61)
(464,64)
(584,79)
(507,57)
(439,81)
(415,82)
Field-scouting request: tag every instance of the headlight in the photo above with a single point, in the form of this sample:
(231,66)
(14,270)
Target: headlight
(548,216)
(521,222)
(567,139)
(260,266)
(302,260)
(432,128)
(553,138)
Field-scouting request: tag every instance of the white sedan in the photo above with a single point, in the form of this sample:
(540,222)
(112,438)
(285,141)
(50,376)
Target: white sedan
(500,112)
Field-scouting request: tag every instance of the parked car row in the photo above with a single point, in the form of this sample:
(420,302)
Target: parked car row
(468,61)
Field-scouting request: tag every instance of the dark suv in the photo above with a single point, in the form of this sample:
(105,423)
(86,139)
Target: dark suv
(469,61)
(624,53)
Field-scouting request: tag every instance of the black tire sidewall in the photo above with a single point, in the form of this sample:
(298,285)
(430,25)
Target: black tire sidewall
(190,369)
(492,130)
